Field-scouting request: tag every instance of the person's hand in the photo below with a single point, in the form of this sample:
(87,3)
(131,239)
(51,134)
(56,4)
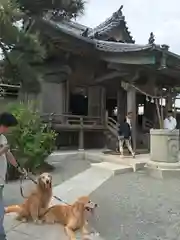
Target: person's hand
(22,171)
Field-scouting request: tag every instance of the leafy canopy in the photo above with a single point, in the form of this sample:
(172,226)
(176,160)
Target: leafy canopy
(22,49)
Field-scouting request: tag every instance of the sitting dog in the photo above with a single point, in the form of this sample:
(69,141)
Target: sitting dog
(38,201)
(73,217)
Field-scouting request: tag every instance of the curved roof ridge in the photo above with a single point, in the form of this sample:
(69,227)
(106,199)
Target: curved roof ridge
(110,23)
(115,18)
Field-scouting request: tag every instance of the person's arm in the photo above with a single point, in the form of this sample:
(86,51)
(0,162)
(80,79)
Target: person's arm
(11,159)
(175,123)
(4,149)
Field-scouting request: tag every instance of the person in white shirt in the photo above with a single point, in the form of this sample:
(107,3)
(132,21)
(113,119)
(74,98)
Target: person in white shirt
(170,122)
(6,120)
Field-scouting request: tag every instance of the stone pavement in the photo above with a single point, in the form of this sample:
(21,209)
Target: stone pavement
(29,231)
(138,207)
(82,182)
(69,191)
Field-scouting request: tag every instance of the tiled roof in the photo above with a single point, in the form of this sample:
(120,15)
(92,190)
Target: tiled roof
(107,46)
(103,29)
(112,22)
(120,47)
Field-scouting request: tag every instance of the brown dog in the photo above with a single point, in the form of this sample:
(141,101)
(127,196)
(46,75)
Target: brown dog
(73,217)
(38,201)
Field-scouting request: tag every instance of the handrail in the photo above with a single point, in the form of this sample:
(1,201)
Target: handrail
(112,120)
(112,126)
(68,119)
(68,115)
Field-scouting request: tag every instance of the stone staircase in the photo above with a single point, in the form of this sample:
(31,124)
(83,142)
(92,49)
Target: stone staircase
(111,134)
(115,163)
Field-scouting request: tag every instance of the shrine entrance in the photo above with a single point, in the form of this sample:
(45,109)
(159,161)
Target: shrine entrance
(78,104)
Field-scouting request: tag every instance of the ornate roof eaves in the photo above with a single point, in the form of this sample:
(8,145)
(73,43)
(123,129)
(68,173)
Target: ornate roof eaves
(112,22)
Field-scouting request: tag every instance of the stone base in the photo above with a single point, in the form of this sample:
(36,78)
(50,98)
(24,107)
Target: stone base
(163,170)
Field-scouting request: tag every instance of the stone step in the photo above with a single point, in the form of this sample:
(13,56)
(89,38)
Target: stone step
(136,164)
(112,167)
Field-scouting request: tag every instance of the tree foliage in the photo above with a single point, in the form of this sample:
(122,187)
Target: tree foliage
(18,48)
(22,49)
(31,140)
(64,8)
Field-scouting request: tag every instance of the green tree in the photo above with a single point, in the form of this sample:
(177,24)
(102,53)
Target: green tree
(20,46)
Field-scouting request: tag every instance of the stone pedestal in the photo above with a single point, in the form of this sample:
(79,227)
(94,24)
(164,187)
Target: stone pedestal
(164,154)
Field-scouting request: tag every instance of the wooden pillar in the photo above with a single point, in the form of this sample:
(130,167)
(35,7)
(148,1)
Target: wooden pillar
(67,97)
(96,101)
(131,107)
(81,136)
(53,97)
(81,140)
(103,104)
(121,104)
(169,101)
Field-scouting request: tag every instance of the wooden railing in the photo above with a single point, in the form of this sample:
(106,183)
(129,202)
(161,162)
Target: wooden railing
(77,121)
(67,120)
(112,126)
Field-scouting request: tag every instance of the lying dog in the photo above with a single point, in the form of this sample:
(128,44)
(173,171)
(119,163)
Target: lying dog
(73,217)
(38,201)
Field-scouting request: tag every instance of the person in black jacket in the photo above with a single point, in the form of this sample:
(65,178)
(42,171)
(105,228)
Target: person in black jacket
(124,135)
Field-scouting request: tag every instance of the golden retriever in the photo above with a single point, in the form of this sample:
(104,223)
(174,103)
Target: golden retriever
(73,217)
(37,202)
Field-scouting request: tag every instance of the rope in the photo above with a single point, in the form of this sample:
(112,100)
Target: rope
(147,94)
(35,182)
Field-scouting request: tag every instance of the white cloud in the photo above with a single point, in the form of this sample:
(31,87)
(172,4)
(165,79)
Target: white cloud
(143,17)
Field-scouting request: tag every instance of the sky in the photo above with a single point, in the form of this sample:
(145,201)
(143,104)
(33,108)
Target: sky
(142,17)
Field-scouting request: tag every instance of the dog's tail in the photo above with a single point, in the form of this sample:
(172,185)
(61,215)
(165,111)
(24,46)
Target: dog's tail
(13,208)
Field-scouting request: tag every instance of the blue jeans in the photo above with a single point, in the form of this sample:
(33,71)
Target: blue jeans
(2,232)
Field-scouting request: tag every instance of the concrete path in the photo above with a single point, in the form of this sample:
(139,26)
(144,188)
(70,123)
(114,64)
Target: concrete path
(101,168)
(82,184)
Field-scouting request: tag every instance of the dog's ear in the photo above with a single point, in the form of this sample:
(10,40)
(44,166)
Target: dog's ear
(77,208)
(83,199)
(40,182)
(50,177)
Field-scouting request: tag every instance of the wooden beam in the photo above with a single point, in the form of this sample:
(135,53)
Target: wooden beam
(128,58)
(109,76)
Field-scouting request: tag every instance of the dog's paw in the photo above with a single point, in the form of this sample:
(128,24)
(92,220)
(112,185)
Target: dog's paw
(37,221)
(24,220)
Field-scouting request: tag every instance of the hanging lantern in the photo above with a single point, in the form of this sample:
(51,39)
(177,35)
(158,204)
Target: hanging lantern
(152,100)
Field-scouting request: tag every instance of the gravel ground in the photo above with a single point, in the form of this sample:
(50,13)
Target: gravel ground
(64,170)
(133,206)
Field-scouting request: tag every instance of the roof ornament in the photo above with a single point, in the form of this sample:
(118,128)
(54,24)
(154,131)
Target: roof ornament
(96,35)
(120,9)
(85,33)
(151,39)
(118,13)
